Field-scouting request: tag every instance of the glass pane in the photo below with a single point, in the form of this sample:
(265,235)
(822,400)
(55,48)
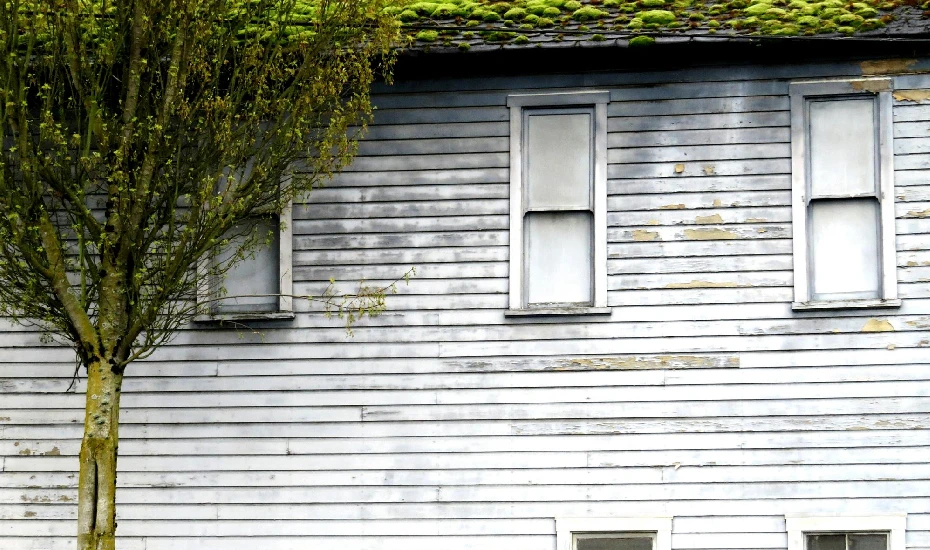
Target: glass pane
(559,262)
(613,543)
(559,160)
(844,249)
(842,147)
(826,542)
(249,284)
(868,542)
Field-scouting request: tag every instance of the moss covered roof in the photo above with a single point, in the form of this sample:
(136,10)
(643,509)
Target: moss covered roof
(467,24)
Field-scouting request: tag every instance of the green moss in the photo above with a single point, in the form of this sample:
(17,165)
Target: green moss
(846,30)
(522,39)
(526,27)
(588,13)
(464,46)
(499,36)
(613,3)
(657,17)
(472,23)
(444,11)
(598,38)
(545,22)
(757,9)
(635,23)
(515,14)
(652,3)
(808,21)
(849,20)
(468,35)
(716,9)
(697,17)
(531,19)
(866,12)
(427,36)
(641,41)
(423,8)
(552,11)
(774,13)
(490,17)
(713,23)
(572,5)
(408,15)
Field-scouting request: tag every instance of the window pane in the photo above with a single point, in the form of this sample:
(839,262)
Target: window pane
(559,160)
(826,542)
(868,542)
(249,284)
(842,147)
(613,543)
(559,262)
(844,249)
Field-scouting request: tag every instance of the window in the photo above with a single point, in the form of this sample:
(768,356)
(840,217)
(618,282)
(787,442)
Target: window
(261,285)
(843,194)
(558,203)
(846,533)
(653,533)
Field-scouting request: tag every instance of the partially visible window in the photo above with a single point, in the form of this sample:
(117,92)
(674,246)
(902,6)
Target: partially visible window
(260,285)
(558,202)
(649,533)
(843,200)
(846,533)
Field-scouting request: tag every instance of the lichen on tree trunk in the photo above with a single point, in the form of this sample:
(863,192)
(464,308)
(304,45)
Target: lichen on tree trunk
(97,485)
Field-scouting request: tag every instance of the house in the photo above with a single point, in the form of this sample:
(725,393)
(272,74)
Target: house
(671,293)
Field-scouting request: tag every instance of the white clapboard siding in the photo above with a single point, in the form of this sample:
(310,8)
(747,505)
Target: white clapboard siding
(444,424)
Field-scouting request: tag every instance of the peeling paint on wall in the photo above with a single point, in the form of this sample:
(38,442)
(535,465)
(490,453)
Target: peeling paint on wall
(871,86)
(703,284)
(911,95)
(877,325)
(887,66)
(709,234)
(648,362)
(642,235)
(716,218)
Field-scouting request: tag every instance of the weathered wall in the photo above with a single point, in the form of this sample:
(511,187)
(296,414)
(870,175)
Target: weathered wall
(443,424)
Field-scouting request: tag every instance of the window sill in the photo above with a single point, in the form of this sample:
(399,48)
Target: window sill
(552,311)
(245,317)
(845,304)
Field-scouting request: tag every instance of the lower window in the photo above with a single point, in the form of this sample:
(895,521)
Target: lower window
(846,532)
(651,533)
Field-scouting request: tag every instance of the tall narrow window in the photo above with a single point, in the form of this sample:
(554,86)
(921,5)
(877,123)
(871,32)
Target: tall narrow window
(558,202)
(843,211)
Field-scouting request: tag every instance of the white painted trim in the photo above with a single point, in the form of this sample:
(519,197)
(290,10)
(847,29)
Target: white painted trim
(661,526)
(517,103)
(798,526)
(799,93)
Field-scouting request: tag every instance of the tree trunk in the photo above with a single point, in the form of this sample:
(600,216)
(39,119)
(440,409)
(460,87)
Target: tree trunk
(97,481)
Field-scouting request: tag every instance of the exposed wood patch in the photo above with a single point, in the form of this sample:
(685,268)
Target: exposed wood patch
(647,362)
(911,95)
(704,284)
(718,202)
(678,206)
(29,514)
(918,214)
(709,169)
(872,86)
(757,220)
(679,168)
(709,235)
(642,235)
(877,325)
(716,218)
(887,66)
(652,222)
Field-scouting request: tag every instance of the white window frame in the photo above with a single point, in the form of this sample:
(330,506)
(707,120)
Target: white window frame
(800,93)
(285,308)
(660,527)
(518,104)
(798,527)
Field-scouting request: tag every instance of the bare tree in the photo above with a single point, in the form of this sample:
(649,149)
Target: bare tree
(137,135)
